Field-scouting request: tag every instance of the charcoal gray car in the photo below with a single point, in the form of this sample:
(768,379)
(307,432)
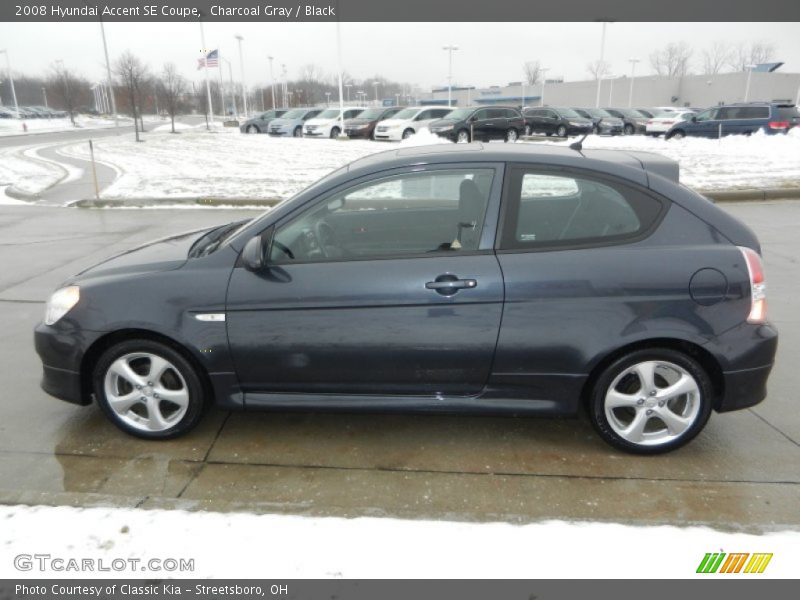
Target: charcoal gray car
(458,278)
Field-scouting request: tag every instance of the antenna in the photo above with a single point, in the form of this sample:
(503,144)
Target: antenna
(579,144)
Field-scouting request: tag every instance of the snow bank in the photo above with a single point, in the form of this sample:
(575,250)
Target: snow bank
(309,547)
(15,126)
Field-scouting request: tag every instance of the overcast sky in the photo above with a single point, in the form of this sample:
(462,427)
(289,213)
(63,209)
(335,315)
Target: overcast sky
(489,54)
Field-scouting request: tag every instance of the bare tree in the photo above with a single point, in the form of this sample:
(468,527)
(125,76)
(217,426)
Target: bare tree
(532,71)
(133,74)
(716,58)
(744,55)
(598,69)
(171,88)
(66,85)
(672,60)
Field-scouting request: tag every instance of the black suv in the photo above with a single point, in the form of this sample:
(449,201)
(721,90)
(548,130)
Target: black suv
(484,124)
(738,119)
(634,121)
(553,120)
(604,123)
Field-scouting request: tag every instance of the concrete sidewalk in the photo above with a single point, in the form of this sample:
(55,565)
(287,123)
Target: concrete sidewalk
(743,472)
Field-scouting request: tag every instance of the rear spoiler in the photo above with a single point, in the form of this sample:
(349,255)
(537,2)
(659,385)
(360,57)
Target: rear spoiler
(658,164)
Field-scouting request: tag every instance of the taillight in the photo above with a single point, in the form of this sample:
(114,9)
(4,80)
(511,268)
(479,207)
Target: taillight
(758,287)
(649,122)
(669,122)
(779,124)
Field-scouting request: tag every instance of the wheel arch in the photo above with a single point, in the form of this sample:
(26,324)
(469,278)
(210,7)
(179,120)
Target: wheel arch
(691,349)
(100,345)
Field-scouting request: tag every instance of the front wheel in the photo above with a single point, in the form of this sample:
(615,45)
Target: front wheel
(628,130)
(651,401)
(676,135)
(335,133)
(251,129)
(298,131)
(408,133)
(511,135)
(148,389)
(463,137)
(561,131)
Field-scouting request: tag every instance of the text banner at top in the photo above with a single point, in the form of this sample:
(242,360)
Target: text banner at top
(286,11)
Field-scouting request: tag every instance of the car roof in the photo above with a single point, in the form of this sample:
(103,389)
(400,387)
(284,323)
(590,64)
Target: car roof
(478,152)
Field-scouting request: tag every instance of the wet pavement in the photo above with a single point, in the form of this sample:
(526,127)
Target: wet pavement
(743,472)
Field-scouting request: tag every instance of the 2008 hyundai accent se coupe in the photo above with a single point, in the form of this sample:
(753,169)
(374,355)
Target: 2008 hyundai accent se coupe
(447,278)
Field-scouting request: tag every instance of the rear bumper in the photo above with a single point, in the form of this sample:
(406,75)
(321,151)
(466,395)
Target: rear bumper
(746,372)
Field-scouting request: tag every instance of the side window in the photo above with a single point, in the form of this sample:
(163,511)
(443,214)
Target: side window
(440,113)
(423,116)
(349,114)
(482,114)
(311,114)
(725,113)
(549,210)
(495,113)
(707,115)
(753,112)
(407,214)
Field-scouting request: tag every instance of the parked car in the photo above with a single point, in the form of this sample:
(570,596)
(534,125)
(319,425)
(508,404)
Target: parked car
(662,121)
(604,122)
(449,278)
(481,124)
(409,121)
(738,119)
(291,123)
(363,126)
(633,120)
(260,123)
(328,123)
(553,120)
(6,113)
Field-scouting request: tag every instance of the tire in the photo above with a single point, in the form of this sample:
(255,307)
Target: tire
(628,129)
(676,135)
(298,131)
(408,133)
(177,379)
(512,135)
(462,137)
(561,131)
(252,129)
(335,132)
(636,424)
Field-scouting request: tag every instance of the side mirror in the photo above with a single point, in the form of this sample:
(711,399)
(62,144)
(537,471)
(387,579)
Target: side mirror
(253,254)
(473,118)
(694,119)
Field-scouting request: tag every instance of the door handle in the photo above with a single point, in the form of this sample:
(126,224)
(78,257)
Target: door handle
(447,285)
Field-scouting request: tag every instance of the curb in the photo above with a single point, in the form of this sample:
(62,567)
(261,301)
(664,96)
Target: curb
(13,192)
(758,195)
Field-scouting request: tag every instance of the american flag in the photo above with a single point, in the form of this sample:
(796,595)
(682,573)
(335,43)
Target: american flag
(209,60)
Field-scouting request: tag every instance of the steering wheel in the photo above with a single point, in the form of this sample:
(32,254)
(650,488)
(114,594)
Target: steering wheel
(327,240)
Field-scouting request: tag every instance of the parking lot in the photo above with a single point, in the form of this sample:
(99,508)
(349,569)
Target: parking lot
(742,472)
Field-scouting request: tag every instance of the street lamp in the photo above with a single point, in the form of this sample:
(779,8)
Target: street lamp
(747,86)
(272,81)
(376,84)
(450,50)
(11,80)
(601,64)
(241,68)
(44,95)
(348,86)
(328,98)
(633,62)
(543,71)
(611,79)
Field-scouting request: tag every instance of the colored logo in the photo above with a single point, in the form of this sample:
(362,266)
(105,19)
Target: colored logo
(736,562)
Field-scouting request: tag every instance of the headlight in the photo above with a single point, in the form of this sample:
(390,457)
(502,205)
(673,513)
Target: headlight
(60,303)
(442,128)
(363,126)
(576,124)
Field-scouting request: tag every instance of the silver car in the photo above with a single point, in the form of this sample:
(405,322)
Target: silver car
(291,123)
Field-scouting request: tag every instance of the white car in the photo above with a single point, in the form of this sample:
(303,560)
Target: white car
(328,123)
(408,122)
(662,121)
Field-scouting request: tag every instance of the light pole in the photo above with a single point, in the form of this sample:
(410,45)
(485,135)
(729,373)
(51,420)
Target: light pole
(348,86)
(601,64)
(543,71)
(44,95)
(611,79)
(11,80)
(633,62)
(450,50)
(284,85)
(272,81)
(241,68)
(376,84)
(747,86)
(327,98)
(109,81)
(208,84)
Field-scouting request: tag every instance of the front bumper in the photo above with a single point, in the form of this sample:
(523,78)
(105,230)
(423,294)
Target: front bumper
(62,352)
(358,133)
(315,133)
(394,135)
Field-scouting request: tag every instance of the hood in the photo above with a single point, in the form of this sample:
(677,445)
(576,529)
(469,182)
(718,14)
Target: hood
(280,121)
(579,120)
(393,122)
(164,254)
(357,121)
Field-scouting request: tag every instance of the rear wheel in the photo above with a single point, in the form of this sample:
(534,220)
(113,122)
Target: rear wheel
(651,401)
(561,131)
(628,130)
(148,389)
(511,135)
(251,129)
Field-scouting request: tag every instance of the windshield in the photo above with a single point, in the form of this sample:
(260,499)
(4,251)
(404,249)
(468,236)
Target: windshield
(598,113)
(460,113)
(297,113)
(331,113)
(629,112)
(371,113)
(408,113)
(568,113)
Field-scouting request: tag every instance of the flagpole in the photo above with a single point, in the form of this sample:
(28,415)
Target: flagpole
(205,68)
(221,86)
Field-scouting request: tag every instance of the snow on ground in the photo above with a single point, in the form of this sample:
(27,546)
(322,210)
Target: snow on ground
(227,164)
(26,172)
(15,126)
(313,547)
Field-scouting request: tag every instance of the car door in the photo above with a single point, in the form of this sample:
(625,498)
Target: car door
(533,117)
(704,124)
(481,125)
(386,286)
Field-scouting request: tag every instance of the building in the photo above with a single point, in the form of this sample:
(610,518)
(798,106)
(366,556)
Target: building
(652,90)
